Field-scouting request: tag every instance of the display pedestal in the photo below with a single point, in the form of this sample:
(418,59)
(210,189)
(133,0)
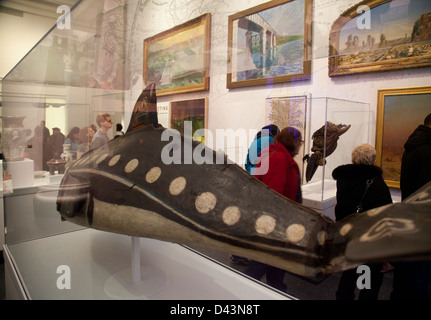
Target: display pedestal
(137,282)
(22,173)
(321,196)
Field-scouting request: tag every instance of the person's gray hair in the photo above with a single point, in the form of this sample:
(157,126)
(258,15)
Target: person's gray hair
(364,154)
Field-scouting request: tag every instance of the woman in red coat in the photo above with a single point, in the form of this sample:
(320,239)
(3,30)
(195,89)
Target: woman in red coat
(277,168)
(280,172)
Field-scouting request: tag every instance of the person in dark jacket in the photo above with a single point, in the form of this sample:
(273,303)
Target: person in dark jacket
(360,187)
(280,172)
(412,280)
(416,160)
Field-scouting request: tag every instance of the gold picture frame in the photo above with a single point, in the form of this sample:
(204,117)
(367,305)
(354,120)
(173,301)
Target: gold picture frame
(374,36)
(270,43)
(178,60)
(399,112)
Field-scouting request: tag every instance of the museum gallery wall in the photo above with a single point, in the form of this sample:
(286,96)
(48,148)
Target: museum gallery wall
(325,38)
(232,66)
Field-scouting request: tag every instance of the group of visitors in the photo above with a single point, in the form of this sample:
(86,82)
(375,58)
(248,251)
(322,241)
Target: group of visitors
(360,187)
(44,146)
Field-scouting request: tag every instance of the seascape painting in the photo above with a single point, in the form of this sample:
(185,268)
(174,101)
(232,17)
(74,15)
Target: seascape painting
(269,44)
(390,35)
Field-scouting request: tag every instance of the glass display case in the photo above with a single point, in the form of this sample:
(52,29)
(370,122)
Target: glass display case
(331,129)
(99,63)
(64,82)
(336,127)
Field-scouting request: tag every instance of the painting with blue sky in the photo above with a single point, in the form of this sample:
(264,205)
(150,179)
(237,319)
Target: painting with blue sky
(390,35)
(269,42)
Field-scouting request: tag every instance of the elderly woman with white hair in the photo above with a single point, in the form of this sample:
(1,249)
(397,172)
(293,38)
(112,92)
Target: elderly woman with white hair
(360,187)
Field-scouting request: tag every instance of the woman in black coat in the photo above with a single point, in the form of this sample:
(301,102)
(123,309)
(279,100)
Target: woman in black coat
(355,195)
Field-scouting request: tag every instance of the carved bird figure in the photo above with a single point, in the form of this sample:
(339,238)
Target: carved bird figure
(324,144)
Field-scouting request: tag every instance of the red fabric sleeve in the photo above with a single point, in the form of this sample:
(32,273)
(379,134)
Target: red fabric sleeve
(282,175)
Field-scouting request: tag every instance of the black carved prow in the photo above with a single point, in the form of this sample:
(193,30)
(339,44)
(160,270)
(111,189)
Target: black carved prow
(145,110)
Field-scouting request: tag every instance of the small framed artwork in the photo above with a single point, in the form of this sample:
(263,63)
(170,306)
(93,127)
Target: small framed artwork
(290,111)
(380,35)
(399,112)
(188,116)
(177,60)
(270,43)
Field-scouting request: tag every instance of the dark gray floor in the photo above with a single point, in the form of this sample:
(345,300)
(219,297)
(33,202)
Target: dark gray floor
(298,287)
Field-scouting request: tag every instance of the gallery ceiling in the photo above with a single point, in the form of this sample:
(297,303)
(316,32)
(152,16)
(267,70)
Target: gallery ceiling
(44,8)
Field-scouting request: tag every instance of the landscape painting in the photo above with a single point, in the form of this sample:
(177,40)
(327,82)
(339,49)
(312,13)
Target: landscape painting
(270,43)
(177,60)
(384,35)
(399,113)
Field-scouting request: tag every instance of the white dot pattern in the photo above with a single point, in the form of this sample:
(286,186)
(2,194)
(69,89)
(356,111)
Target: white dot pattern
(295,232)
(205,202)
(265,224)
(131,165)
(177,186)
(321,237)
(114,160)
(153,175)
(102,157)
(231,215)
(345,229)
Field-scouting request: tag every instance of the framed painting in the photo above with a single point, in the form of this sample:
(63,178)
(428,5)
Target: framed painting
(177,60)
(290,111)
(195,111)
(381,35)
(270,43)
(399,113)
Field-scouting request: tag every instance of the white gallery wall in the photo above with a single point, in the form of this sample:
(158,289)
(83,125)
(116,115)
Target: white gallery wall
(243,108)
(239,108)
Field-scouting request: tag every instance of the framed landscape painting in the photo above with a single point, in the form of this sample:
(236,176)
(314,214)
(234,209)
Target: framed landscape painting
(399,113)
(177,60)
(270,43)
(381,35)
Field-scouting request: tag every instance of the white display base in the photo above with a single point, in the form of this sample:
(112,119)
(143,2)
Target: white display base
(96,257)
(321,198)
(122,286)
(22,173)
(136,282)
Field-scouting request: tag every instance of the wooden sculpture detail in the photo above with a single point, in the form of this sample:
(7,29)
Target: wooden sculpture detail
(324,144)
(125,187)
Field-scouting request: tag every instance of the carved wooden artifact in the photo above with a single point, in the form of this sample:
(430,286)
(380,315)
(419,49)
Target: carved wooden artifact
(125,187)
